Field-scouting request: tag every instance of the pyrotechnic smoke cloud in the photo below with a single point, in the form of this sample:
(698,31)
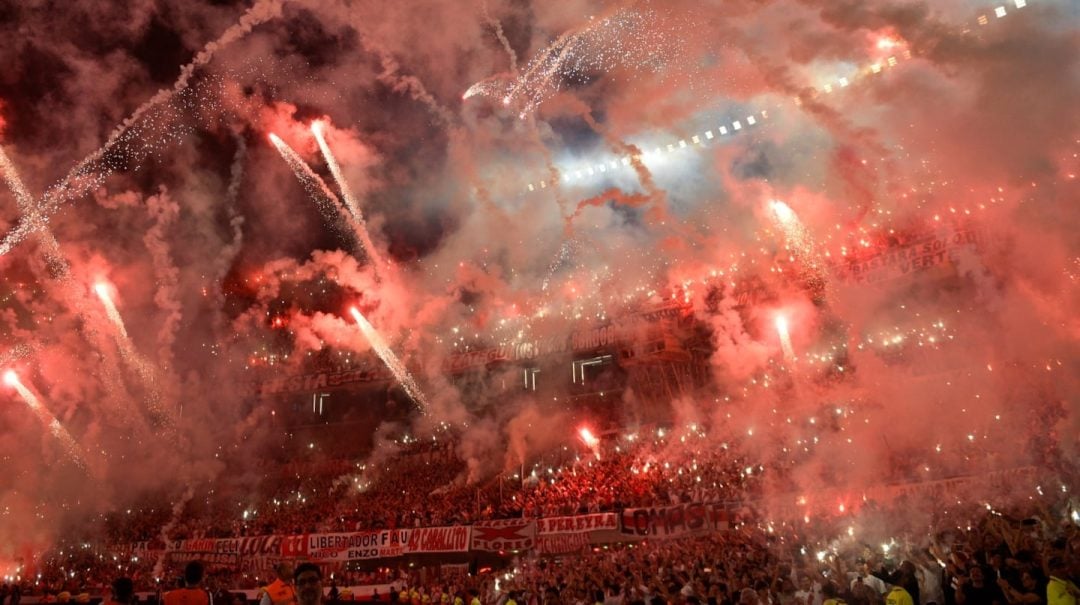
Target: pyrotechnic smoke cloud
(924,256)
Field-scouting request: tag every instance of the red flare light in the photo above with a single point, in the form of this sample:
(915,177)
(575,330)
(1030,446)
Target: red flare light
(587,437)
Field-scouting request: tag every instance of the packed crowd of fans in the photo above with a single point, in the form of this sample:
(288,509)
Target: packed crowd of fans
(994,560)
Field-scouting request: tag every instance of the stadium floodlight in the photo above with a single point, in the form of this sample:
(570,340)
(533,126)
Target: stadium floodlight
(531,188)
(1020,3)
(723,130)
(843,82)
(1000,12)
(892,61)
(695,139)
(750,120)
(876,68)
(983,20)
(828,88)
(670,147)
(682,143)
(737,125)
(626,161)
(708,134)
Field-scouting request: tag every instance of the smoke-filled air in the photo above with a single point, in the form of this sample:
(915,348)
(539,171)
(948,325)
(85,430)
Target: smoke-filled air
(261,257)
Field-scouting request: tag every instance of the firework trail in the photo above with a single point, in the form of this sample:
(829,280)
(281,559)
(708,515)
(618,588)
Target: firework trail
(391,360)
(135,361)
(795,234)
(90,172)
(45,416)
(324,198)
(72,292)
(798,243)
(50,246)
(785,338)
(351,203)
(626,38)
(102,290)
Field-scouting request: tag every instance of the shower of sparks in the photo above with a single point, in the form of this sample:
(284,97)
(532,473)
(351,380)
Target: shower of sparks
(128,144)
(401,373)
(795,234)
(635,40)
(590,441)
(351,203)
(46,417)
(326,200)
(142,367)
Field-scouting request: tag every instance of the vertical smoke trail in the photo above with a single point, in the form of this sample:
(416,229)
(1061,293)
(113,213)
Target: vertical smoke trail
(177,510)
(225,258)
(83,172)
(408,84)
(164,212)
(325,199)
(391,360)
(497,26)
(350,201)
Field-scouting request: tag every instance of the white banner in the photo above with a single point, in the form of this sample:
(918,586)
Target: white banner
(387,543)
(504,534)
(577,524)
(674,521)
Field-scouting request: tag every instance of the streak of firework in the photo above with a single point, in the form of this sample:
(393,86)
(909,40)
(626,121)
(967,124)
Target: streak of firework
(46,417)
(625,39)
(102,290)
(390,359)
(785,338)
(324,198)
(351,204)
